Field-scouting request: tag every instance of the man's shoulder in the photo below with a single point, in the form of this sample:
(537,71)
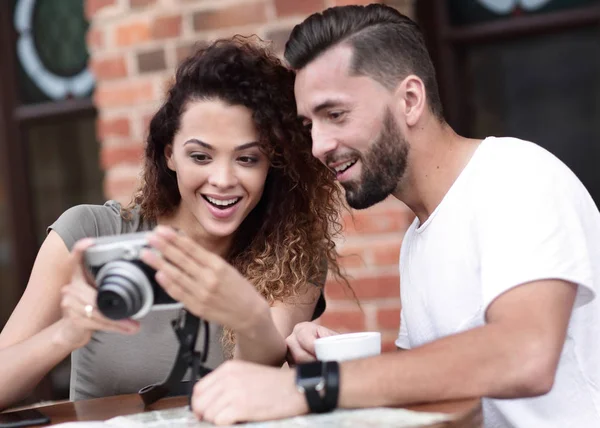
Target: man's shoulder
(507,162)
(514,151)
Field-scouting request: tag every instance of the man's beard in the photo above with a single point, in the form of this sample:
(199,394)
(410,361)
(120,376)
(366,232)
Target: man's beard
(382,167)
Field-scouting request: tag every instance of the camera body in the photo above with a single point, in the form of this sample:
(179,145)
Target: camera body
(126,286)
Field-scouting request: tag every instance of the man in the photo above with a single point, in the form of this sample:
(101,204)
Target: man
(499,270)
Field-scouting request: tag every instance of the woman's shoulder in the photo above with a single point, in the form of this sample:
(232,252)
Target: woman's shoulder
(91,221)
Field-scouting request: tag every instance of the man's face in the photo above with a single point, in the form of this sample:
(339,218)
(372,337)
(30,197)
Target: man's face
(354,131)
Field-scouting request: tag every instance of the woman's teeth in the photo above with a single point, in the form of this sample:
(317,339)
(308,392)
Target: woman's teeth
(343,167)
(222,203)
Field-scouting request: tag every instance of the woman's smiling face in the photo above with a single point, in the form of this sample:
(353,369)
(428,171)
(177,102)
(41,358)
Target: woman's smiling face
(220,168)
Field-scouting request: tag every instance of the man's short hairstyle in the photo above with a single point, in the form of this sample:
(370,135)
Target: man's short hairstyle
(387,45)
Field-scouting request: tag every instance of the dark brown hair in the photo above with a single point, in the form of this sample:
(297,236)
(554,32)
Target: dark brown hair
(387,45)
(286,240)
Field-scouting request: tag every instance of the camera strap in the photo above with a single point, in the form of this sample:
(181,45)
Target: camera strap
(186,330)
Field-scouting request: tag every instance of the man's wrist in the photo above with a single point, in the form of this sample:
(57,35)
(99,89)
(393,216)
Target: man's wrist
(319,382)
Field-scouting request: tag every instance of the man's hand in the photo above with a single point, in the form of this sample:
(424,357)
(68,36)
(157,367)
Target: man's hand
(301,343)
(239,391)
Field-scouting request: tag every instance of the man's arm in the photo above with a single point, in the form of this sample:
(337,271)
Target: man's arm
(515,354)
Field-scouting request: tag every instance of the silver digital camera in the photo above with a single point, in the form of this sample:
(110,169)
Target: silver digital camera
(126,285)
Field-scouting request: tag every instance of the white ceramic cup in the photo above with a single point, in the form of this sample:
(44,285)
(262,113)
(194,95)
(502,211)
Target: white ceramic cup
(350,346)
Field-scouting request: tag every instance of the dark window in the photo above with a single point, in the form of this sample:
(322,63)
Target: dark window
(462,12)
(532,72)
(48,148)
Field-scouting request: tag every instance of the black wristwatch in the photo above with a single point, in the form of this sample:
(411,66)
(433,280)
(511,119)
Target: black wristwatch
(319,382)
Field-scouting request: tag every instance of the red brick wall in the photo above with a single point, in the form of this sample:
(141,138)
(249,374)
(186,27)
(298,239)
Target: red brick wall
(135,46)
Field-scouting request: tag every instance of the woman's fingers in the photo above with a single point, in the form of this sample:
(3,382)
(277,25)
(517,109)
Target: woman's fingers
(75,303)
(172,279)
(301,343)
(195,251)
(176,255)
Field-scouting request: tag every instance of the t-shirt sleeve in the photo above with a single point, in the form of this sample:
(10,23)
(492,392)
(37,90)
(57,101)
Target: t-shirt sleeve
(530,227)
(403,342)
(87,221)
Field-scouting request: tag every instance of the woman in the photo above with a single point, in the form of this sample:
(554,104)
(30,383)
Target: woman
(228,165)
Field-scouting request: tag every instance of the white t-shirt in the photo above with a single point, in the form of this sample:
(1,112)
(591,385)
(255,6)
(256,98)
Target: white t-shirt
(514,215)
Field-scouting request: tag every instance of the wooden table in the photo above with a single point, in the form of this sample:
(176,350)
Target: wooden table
(465,413)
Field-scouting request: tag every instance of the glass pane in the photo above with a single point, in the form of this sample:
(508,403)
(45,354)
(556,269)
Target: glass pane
(64,167)
(8,288)
(464,12)
(545,89)
(64,171)
(51,51)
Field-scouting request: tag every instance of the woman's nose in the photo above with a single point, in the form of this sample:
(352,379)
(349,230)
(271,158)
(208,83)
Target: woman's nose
(223,176)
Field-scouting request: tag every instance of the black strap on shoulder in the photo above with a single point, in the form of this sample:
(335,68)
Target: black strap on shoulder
(186,329)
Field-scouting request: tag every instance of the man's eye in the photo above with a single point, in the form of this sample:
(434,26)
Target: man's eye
(335,115)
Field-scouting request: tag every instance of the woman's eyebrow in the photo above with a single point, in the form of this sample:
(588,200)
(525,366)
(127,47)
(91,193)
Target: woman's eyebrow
(246,146)
(200,143)
(209,147)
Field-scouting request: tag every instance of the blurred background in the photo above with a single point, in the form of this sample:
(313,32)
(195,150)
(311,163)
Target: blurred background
(80,80)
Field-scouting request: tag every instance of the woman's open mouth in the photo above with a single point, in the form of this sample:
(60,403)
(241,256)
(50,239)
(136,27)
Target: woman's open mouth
(221,204)
(222,208)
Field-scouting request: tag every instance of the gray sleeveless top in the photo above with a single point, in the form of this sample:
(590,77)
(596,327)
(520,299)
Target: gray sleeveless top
(112,363)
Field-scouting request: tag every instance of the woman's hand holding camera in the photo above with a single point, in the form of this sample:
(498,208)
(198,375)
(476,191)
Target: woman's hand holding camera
(202,281)
(80,317)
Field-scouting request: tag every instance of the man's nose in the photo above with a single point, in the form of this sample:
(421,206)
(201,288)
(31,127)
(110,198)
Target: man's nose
(223,176)
(323,143)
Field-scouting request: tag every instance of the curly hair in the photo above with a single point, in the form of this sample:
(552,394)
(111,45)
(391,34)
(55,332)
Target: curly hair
(287,238)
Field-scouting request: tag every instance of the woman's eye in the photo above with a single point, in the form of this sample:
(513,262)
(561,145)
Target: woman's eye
(199,157)
(248,160)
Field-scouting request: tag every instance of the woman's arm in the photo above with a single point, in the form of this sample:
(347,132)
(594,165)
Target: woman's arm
(49,322)
(263,340)
(30,342)
(211,288)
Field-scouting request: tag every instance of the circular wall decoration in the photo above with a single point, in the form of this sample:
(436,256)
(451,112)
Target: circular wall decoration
(56,85)
(503,7)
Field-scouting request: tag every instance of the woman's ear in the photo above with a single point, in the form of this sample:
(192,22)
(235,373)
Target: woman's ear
(169,156)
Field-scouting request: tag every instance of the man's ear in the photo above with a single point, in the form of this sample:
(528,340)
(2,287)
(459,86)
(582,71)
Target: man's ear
(169,156)
(411,99)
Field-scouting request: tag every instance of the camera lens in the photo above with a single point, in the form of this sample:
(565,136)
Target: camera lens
(123,290)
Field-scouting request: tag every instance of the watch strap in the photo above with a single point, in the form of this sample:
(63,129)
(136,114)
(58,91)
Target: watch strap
(322,393)
(314,400)
(332,385)
(310,380)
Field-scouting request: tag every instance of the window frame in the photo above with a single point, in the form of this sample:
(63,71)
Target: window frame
(448,44)
(14,161)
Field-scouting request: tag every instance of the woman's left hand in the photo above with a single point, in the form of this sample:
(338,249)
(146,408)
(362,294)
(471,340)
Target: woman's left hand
(207,285)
